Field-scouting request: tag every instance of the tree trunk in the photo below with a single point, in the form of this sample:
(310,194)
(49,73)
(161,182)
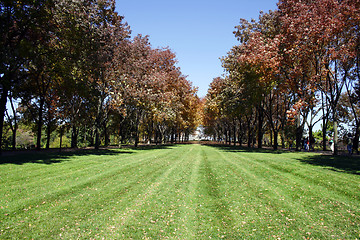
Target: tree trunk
(74,137)
(324,134)
(311,138)
(156,137)
(92,132)
(85,134)
(234,133)
(97,134)
(40,123)
(226,137)
(97,138)
(249,136)
(48,133)
(282,140)
(14,137)
(172,136)
(336,138)
(356,138)
(137,135)
(106,135)
(240,133)
(275,147)
(299,132)
(3,100)
(14,129)
(61,136)
(240,138)
(260,127)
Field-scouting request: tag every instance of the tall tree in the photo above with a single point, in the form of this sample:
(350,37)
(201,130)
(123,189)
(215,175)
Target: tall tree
(20,22)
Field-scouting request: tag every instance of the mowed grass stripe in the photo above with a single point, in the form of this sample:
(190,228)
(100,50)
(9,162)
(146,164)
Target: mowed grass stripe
(265,209)
(78,166)
(290,163)
(69,199)
(152,211)
(85,162)
(294,174)
(300,201)
(179,192)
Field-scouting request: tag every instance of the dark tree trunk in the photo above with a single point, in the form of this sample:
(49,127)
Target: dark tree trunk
(240,138)
(61,136)
(92,133)
(260,127)
(40,123)
(234,133)
(276,134)
(298,138)
(14,138)
(335,137)
(85,136)
(311,138)
(137,135)
(3,100)
(48,133)
(106,135)
(298,134)
(15,127)
(97,138)
(156,137)
(324,135)
(240,133)
(282,140)
(172,136)
(324,125)
(74,136)
(356,138)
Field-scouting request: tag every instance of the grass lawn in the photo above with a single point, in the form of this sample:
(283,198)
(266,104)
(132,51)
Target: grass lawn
(179,192)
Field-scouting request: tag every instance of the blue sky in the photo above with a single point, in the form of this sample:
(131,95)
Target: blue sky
(199,32)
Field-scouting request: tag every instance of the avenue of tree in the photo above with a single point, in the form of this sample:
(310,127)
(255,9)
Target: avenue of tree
(293,67)
(72,67)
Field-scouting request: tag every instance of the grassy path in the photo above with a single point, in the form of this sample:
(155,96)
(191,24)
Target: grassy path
(177,192)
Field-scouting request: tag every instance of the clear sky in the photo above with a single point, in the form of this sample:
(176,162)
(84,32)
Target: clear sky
(198,31)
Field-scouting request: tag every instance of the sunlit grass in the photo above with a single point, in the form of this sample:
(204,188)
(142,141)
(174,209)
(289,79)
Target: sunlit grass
(179,192)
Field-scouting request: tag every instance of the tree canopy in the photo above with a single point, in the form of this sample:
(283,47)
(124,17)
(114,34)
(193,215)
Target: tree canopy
(73,67)
(289,65)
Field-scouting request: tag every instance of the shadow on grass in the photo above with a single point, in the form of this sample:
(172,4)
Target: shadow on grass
(341,163)
(232,148)
(152,147)
(51,157)
(348,164)
(55,156)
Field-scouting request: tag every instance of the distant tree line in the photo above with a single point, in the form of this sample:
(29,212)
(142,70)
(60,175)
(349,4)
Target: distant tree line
(293,67)
(73,68)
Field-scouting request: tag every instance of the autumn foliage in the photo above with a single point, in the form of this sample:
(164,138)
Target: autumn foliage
(74,68)
(288,72)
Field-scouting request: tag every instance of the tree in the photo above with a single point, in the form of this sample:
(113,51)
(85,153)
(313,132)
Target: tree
(316,34)
(20,22)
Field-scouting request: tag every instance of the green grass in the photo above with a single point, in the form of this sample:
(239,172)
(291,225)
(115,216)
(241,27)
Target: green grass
(179,192)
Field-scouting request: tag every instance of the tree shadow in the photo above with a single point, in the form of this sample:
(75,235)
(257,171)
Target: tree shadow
(341,163)
(54,156)
(232,148)
(152,147)
(347,164)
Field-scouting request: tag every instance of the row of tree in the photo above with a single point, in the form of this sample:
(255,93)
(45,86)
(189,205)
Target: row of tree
(72,66)
(293,67)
